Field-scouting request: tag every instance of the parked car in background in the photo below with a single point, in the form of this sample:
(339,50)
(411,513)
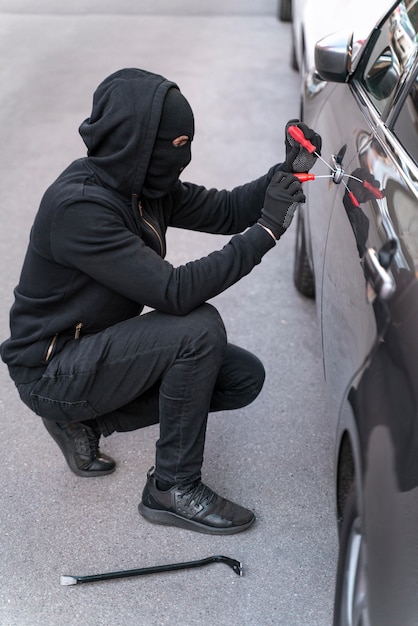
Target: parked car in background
(302,44)
(284,10)
(311,20)
(357,253)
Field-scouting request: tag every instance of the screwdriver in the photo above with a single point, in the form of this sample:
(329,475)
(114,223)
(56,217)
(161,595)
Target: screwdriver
(297,134)
(304,176)
(337,175)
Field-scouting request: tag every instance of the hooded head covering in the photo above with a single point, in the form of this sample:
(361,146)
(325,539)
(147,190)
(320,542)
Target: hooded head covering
(127,123)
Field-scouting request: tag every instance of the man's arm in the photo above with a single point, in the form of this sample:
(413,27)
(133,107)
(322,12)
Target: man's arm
(221,212)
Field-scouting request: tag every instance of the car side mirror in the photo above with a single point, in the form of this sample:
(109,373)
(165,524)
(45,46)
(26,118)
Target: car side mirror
(333,57)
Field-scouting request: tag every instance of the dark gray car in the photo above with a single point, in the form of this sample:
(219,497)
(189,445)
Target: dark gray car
(357,253)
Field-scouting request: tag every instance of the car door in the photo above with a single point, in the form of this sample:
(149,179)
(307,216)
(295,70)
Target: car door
(353,315)
(370,337)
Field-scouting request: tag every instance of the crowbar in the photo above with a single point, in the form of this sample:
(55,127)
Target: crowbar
(74,580)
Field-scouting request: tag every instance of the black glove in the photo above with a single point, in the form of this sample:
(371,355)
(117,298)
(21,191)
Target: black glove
(283,195)
(298,157)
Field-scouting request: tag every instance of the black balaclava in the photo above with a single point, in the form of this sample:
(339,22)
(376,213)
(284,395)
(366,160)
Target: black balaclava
(167,161)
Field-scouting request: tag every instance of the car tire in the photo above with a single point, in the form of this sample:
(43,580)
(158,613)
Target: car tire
(284,10)
(350,603)
(293,57)
(303,277)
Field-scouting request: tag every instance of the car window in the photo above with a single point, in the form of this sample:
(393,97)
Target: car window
(406,125)
(391,50)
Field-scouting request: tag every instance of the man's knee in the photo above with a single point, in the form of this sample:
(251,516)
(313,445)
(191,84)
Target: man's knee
(254,375)
(240,380)
(206,326)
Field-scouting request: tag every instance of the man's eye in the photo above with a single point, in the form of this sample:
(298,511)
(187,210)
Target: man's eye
(180,142)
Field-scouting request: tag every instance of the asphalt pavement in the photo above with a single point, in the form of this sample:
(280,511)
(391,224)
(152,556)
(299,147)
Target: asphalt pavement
(231,60)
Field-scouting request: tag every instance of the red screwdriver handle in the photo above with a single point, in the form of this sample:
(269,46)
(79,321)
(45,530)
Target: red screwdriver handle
(297,134)
(303,177)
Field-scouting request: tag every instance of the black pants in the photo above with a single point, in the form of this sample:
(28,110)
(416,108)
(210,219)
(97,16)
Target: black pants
(149,369)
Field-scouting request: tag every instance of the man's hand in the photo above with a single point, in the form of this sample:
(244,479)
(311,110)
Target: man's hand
(302,151)
(280,203)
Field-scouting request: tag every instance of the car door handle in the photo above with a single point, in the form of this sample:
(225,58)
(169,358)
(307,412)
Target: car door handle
(379,282)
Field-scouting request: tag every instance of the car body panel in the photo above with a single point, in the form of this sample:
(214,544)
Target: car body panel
(370,341)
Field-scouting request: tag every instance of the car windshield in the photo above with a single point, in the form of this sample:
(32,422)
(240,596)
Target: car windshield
(391,54)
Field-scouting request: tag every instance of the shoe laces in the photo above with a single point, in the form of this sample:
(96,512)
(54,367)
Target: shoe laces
(197,493)
(86,442)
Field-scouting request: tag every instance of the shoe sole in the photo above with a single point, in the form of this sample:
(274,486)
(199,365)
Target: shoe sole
(90,474)
(168,518)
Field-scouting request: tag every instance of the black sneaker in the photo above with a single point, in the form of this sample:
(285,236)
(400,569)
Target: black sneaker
(194,507)
(79,444)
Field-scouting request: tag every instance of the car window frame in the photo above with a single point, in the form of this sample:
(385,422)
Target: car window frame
(356,80)
(393,114)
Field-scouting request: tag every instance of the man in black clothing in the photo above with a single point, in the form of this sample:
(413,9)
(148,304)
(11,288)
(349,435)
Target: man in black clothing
(82,356)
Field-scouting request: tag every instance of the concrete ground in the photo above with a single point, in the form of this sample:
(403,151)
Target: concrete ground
(231,59)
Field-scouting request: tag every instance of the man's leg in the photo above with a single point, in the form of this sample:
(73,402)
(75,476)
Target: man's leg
(95,375)
(195,506)
(99,373)
(239,381)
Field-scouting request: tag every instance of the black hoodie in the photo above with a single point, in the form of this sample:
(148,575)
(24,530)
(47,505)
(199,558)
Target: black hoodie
(97,247)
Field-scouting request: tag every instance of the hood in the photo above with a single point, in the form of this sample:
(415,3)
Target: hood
(121,130)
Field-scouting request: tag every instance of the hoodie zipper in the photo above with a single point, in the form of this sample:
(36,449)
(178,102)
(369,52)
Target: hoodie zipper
(51,347)
(53,341)
(152,228)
